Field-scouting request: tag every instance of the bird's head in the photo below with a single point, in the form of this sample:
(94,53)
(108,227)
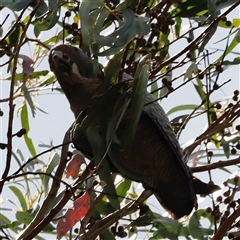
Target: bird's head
(75,73)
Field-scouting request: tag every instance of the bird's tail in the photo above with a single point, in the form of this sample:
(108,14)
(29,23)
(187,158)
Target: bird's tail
(204,188)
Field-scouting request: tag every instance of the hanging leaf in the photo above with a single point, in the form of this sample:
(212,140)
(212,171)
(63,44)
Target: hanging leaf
(28,98)
(15,5)
(183,107)
(195,228)
(130,26)
(138,99)
(25,125)
(48,22)
(54,161)
(20,197)
(235,41)
(86,25)
(74,215)
(74,166)
(54,4)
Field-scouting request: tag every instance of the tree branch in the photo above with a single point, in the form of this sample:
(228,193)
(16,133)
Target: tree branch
(52,193)
(103,224)
(222,230)
(216,165)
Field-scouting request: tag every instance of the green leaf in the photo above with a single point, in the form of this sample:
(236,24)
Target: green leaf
(183,107)
(15,5)
(192,8)
(129,27)
(24,217)
(104,208)
(25,125)
(54,161)
(111,51)
(236,61)
(86,25)
(20,197)
(164,43)
(138,99)
(154,89)
(151,217)
(54,4)
(36,31)
(224,4)
(113,67)
(177,26)
(17,77)
(226,148)
(43,8)
(48,81)
(235,23)
(192,69)
(98,149)
(15,35)
(47,22)
(38,74)
(166,227)
(233,44)
(28,98)
(211,112)
(4,220)
(123,188)
(195,228)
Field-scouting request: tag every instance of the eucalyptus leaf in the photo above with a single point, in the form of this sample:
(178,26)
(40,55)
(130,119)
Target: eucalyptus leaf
(195,228)
(86,25)
(24,217)
(26,126)
(48,22)
(113,67)
(54,4)
(28,98)
(235,41)
(54,161)
(138,98)
(98,148)
(130,26)
(15,5)
(183,107)
(4,220)
(20,197)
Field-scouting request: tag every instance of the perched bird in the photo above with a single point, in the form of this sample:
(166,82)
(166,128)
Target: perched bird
(155,153)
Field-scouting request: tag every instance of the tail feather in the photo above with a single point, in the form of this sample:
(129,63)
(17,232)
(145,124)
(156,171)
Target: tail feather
(204,188)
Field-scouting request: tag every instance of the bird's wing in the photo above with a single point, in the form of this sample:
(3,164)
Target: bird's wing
(154,113)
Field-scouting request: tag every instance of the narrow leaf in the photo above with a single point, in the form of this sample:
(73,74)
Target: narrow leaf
(25,125)
(137,102)
(20,197)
